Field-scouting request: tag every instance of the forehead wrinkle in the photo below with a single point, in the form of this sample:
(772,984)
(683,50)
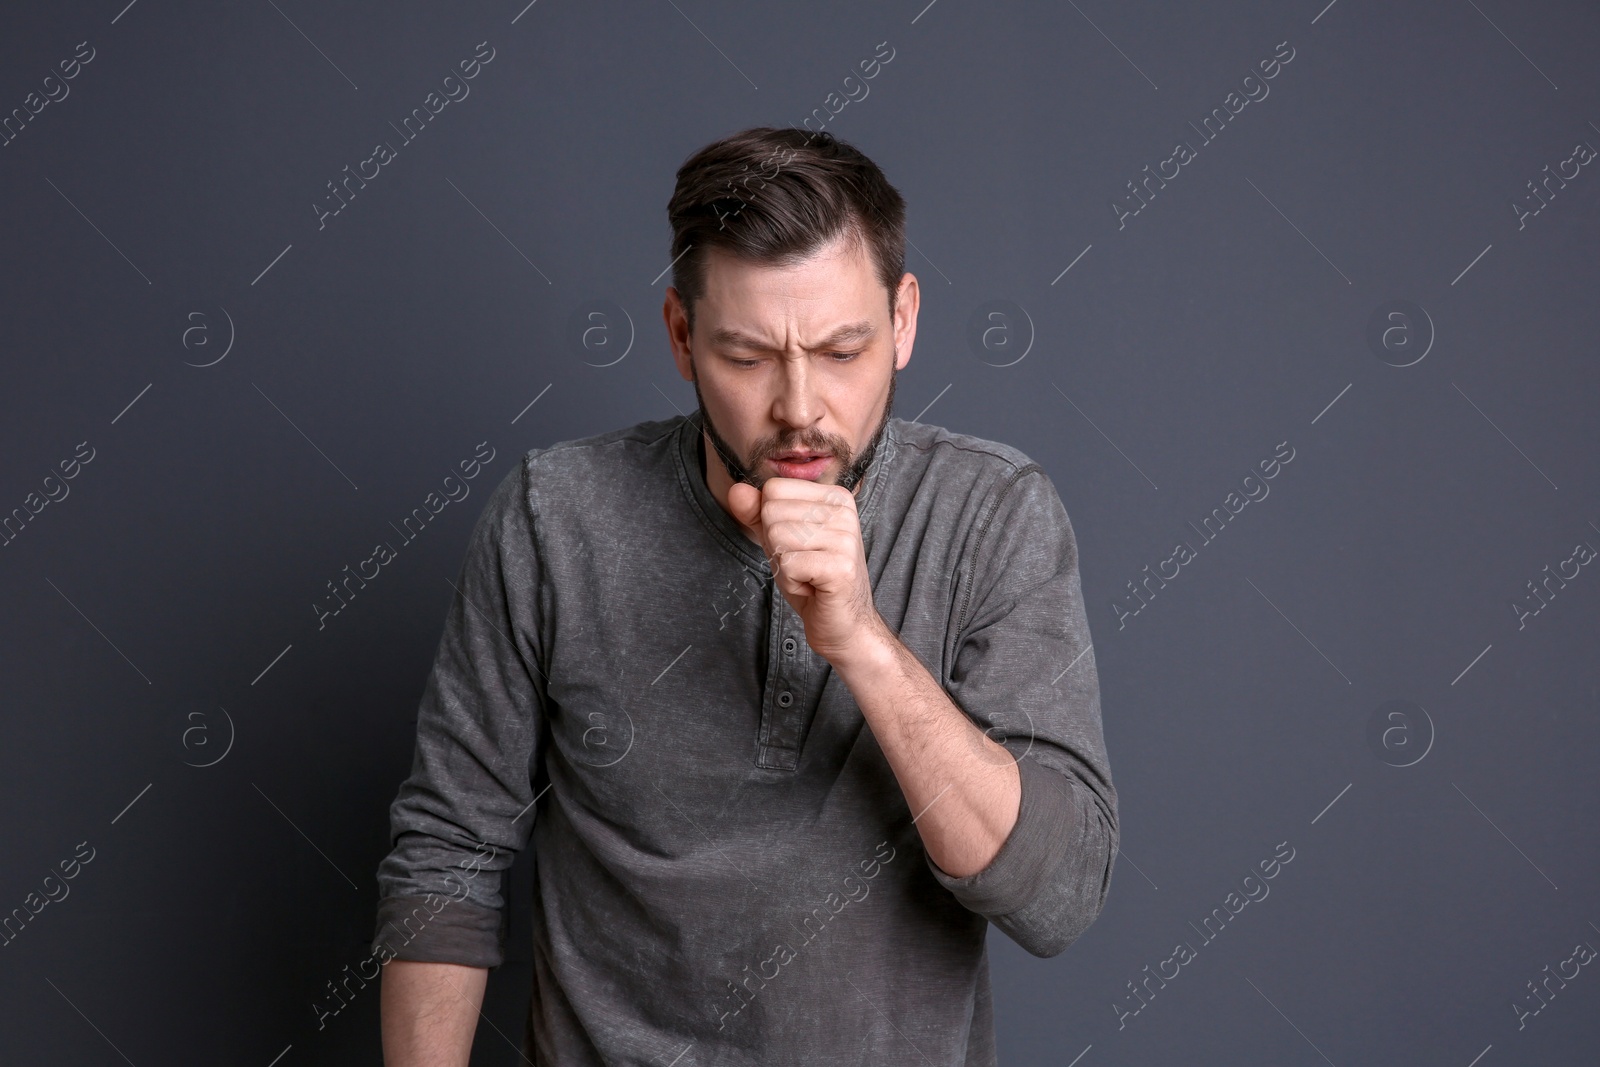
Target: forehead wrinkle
(729,336)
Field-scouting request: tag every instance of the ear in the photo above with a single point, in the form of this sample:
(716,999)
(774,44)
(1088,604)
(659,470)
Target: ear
(908,300)
(677,322)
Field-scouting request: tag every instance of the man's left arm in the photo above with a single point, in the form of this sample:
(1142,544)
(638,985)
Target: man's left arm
(1022,830)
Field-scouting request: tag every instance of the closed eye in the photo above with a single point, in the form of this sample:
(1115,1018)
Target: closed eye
(838,357)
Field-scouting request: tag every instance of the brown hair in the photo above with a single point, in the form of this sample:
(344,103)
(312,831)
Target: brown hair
(775,196)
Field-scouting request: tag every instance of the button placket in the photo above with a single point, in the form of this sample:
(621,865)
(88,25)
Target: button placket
(787,695)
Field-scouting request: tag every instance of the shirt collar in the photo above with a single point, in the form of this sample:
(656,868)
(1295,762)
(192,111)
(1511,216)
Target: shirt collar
(727,531)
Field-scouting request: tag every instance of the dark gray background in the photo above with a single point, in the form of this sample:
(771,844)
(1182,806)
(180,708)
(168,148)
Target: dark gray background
(164,607)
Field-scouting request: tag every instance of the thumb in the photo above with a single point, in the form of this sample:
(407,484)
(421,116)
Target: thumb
(744,500)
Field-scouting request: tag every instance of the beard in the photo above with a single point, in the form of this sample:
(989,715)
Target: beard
(855,466)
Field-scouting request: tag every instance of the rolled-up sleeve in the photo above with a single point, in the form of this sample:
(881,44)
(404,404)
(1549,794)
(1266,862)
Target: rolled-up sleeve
(1022,668)
(467,807)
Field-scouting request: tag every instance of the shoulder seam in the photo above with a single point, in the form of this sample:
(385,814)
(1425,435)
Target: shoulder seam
(532,518)
(983,534)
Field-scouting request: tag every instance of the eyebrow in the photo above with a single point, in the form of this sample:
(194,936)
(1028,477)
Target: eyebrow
(729,337)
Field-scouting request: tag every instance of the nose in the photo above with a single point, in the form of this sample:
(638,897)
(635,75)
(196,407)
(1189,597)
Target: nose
(797,403)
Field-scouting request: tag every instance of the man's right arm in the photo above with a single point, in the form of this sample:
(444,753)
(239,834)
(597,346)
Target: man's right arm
(468,806)
(430,1012)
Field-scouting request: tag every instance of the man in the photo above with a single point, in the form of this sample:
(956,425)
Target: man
(793,698)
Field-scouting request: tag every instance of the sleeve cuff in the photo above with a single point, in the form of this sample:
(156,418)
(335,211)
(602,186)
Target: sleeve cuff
(1016,876)
(436,929)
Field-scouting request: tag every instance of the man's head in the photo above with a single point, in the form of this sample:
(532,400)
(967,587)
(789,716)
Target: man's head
(790,310)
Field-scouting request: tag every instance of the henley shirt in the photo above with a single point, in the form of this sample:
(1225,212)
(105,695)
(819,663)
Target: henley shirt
(726,870)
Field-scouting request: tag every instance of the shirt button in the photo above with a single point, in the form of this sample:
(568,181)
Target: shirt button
(788,646)
(785,698)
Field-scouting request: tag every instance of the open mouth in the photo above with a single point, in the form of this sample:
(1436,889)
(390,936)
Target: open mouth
(808,465)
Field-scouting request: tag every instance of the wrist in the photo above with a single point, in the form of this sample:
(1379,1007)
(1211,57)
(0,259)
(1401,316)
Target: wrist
(873,652)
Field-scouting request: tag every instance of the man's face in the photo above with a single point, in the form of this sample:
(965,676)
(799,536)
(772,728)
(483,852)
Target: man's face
(794,367)
(851,465)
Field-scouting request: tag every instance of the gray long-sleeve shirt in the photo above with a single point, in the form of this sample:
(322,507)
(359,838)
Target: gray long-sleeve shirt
(725,867)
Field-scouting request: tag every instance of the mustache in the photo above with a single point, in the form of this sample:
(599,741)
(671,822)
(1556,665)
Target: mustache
(814,450)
